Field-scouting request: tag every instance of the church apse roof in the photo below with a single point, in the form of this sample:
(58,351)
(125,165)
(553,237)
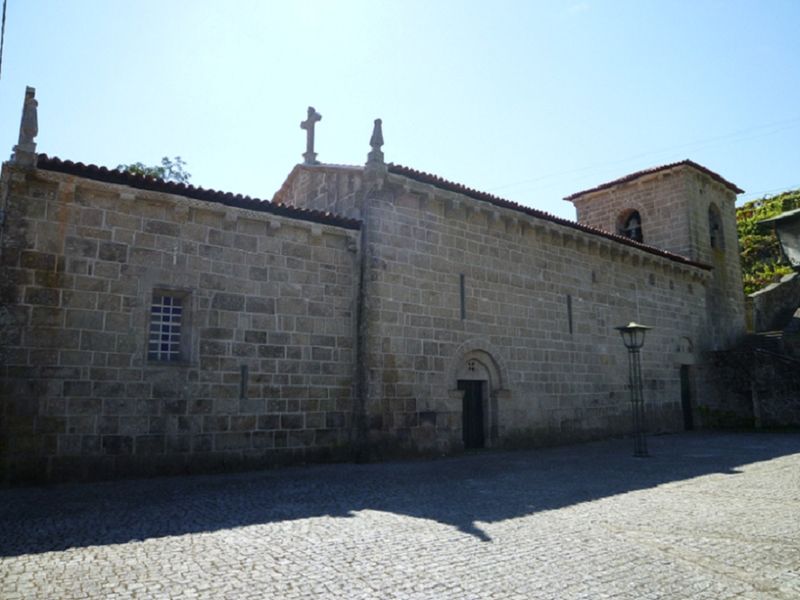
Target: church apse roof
(154,184)
(451,186)
(634,176)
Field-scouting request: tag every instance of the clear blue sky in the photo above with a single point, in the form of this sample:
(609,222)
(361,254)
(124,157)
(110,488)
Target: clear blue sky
(527,100)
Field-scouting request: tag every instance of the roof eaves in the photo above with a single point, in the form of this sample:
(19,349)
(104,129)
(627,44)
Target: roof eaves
(154,184)
(652,171)
(790,215)
(451,186)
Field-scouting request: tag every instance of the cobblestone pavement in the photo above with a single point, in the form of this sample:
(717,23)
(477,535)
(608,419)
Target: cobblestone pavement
(707,516)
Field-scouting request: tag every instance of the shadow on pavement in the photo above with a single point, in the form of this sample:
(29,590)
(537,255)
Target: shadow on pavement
(461,492)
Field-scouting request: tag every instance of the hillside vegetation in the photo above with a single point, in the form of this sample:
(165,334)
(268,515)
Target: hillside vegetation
(762,261)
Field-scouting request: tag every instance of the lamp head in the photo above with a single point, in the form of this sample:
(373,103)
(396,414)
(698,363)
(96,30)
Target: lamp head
(633,335)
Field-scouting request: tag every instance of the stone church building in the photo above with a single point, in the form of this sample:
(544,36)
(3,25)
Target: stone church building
(373,310)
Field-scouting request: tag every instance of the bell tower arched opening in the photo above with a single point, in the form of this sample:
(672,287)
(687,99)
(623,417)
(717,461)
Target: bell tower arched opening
(629,225)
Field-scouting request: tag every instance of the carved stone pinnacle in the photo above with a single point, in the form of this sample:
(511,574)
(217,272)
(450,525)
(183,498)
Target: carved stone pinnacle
(25,150)
(375,157)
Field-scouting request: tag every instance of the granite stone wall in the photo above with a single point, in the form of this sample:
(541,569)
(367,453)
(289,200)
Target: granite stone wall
(302,338)
(674,207)
(772,307)
(754,388)
(337,189)
(266,365)
(660,199)
(540,301)
(540,305)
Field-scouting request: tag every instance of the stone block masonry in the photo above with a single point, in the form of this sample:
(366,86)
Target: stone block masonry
(151,327)
(461,290)
(260,362)
(682,207)
(540,307)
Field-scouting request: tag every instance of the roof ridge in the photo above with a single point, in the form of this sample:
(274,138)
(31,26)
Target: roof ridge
(637,174)
(155,184)
(445,184)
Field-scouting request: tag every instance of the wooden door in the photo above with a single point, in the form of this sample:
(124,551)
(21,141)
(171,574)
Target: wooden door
(686,399)
(473,418)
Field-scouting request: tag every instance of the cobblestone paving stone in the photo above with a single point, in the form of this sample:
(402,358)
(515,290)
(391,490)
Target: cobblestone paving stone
(707,516)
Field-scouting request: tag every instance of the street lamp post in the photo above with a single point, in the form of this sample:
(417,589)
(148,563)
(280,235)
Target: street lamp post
(633,337)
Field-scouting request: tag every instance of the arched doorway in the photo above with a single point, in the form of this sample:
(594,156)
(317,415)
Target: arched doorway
(479,379)
(475,410)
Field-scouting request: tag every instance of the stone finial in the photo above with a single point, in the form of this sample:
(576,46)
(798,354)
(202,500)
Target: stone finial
(375,157)
(25,150)
(310,157)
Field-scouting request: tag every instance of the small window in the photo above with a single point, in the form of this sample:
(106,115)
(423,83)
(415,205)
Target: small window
(715,227)
(166,341)
(631,226)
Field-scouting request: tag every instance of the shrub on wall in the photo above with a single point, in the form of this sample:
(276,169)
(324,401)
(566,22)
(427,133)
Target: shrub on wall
(762,261)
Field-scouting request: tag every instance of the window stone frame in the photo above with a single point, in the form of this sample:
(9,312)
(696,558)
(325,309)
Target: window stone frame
(185,340)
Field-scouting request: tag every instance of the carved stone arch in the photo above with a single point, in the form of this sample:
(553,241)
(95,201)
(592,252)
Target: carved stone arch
(476,370)
(630,224)
(487,359)
(685,354)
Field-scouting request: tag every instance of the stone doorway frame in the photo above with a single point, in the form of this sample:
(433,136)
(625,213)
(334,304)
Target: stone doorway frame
(479,360)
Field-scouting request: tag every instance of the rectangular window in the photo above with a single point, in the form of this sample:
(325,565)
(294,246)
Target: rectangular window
(166,341)
(463,296)
(569,312)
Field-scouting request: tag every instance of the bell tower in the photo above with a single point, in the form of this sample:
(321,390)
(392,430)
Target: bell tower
(686,209)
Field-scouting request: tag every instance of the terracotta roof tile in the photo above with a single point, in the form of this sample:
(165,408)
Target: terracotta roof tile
(154,184)
(106,175)
(444,184)
(633,176)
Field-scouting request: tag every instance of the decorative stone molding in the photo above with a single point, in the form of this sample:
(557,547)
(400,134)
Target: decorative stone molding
(484,351)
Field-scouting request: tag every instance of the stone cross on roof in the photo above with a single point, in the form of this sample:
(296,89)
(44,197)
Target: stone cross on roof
(313,116)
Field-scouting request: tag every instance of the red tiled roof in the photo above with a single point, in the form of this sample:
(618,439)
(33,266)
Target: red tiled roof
(451,186)
(633,176)
(154,184)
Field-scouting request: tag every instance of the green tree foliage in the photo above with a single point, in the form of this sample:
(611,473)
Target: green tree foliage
(168,170)
(762,261)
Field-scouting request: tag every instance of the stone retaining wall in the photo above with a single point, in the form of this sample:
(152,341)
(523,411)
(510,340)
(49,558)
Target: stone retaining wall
(772,307)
